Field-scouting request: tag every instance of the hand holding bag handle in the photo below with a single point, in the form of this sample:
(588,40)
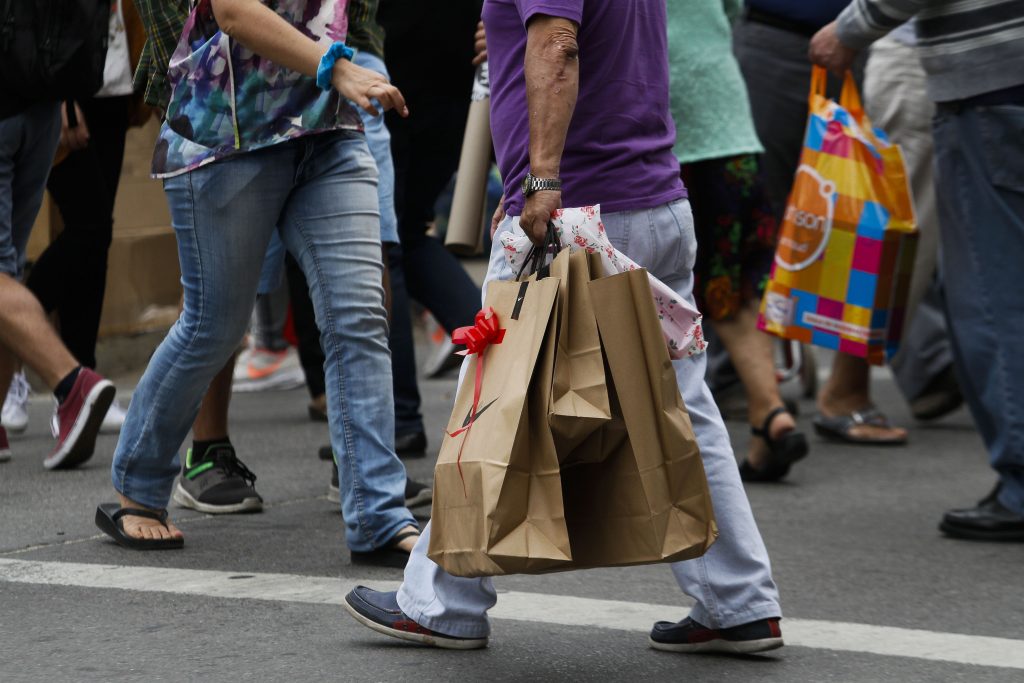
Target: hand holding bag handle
(537,258)
(849,98)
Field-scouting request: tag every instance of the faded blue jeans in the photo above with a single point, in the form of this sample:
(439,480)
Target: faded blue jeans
(319,193)
(979,154)
(378,139)
(732,583)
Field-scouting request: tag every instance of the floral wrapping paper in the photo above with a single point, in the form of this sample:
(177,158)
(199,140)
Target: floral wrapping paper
(581,228)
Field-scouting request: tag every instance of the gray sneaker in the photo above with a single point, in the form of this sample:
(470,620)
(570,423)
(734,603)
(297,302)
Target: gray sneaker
(217,483)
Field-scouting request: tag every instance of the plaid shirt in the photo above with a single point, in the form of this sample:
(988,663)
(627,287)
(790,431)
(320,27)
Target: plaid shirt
(164,19)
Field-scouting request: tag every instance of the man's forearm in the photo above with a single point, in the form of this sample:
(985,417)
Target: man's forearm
(552,84)
(865,21)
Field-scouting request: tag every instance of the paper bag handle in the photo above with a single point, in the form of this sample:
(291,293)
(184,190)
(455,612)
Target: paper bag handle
(537,258)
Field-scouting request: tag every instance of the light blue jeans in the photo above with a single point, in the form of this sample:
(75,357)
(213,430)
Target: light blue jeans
(979,154)
(732,583)
(319,194)
(379,141)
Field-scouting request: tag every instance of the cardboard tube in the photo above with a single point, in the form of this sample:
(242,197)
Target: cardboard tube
(469,201)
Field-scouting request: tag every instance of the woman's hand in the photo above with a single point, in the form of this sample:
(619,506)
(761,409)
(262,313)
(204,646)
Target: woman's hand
(480,45)
(260,29)
(363,85)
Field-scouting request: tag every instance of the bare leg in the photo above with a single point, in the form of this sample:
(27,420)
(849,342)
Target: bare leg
(212,421)
(26,332)
(849,389)
(751,353)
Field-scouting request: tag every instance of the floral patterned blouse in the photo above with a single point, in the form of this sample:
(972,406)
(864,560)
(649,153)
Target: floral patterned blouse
(227,100)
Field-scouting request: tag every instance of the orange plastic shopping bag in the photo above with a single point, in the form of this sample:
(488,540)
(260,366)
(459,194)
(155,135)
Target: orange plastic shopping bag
(847,242)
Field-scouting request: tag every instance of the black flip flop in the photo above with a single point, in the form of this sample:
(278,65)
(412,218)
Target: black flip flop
(782,452)
(388,556)
(838,428)
(108,519)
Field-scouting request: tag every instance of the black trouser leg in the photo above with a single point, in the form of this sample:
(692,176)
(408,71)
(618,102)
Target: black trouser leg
(70,276)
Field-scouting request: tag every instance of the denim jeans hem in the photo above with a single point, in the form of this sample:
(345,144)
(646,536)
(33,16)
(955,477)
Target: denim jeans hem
(764,610)
(146,496)
(458,628)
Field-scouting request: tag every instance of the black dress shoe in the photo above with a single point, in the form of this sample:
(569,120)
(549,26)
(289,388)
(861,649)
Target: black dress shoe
(414,443)
(990,520)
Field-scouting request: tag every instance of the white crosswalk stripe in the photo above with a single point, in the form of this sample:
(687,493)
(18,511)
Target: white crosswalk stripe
(518,606)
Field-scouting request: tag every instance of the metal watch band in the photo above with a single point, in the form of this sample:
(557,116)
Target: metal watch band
(533,184)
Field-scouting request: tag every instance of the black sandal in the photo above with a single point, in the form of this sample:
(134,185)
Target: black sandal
(782,452)
(388,556)
(108,519)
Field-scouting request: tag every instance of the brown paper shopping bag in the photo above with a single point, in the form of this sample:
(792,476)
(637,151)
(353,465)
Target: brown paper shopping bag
(645,498)
(497,505)
(579,395)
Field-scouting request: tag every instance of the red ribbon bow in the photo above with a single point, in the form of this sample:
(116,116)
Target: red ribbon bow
(485,331)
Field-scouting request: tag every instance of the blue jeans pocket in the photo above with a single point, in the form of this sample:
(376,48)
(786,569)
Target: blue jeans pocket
(1001,128)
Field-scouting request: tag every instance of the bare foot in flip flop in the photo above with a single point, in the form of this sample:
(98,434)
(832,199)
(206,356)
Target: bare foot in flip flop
(406,542)
(145,528)
(394,554)
(845,412)
(864,424)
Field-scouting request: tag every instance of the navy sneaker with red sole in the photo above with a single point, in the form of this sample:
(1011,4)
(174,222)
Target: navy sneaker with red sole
(380,611)
(689,636)
(79,419)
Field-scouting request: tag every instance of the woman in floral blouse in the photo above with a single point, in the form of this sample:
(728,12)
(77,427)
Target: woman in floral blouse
(258,138)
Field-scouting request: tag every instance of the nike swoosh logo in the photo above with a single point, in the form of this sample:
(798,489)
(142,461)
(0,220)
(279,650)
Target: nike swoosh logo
(473,418)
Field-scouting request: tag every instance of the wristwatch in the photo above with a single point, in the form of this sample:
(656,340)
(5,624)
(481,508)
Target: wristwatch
(533,184)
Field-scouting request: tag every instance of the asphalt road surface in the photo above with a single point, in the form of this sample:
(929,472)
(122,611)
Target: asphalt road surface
(871,591)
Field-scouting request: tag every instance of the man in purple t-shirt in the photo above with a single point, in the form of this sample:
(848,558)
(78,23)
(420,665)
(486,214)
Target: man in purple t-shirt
(579,99)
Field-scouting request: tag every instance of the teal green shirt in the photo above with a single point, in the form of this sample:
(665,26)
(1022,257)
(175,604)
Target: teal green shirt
(708,96)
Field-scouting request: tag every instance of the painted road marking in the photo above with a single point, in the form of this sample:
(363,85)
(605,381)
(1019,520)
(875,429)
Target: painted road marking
(517,606)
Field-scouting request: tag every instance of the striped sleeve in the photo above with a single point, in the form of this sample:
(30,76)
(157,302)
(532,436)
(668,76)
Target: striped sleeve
(865,21)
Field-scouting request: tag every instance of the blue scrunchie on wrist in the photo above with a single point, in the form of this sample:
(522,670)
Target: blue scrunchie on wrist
(334,53)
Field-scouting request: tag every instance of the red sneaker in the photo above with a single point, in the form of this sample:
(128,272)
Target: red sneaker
(79,419)
(5,448)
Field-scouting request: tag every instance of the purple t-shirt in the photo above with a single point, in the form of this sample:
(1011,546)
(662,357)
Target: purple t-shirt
(618,152)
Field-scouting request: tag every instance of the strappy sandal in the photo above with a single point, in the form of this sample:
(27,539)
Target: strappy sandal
(782,452)
(840,427)
(390,555)
(109,519)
